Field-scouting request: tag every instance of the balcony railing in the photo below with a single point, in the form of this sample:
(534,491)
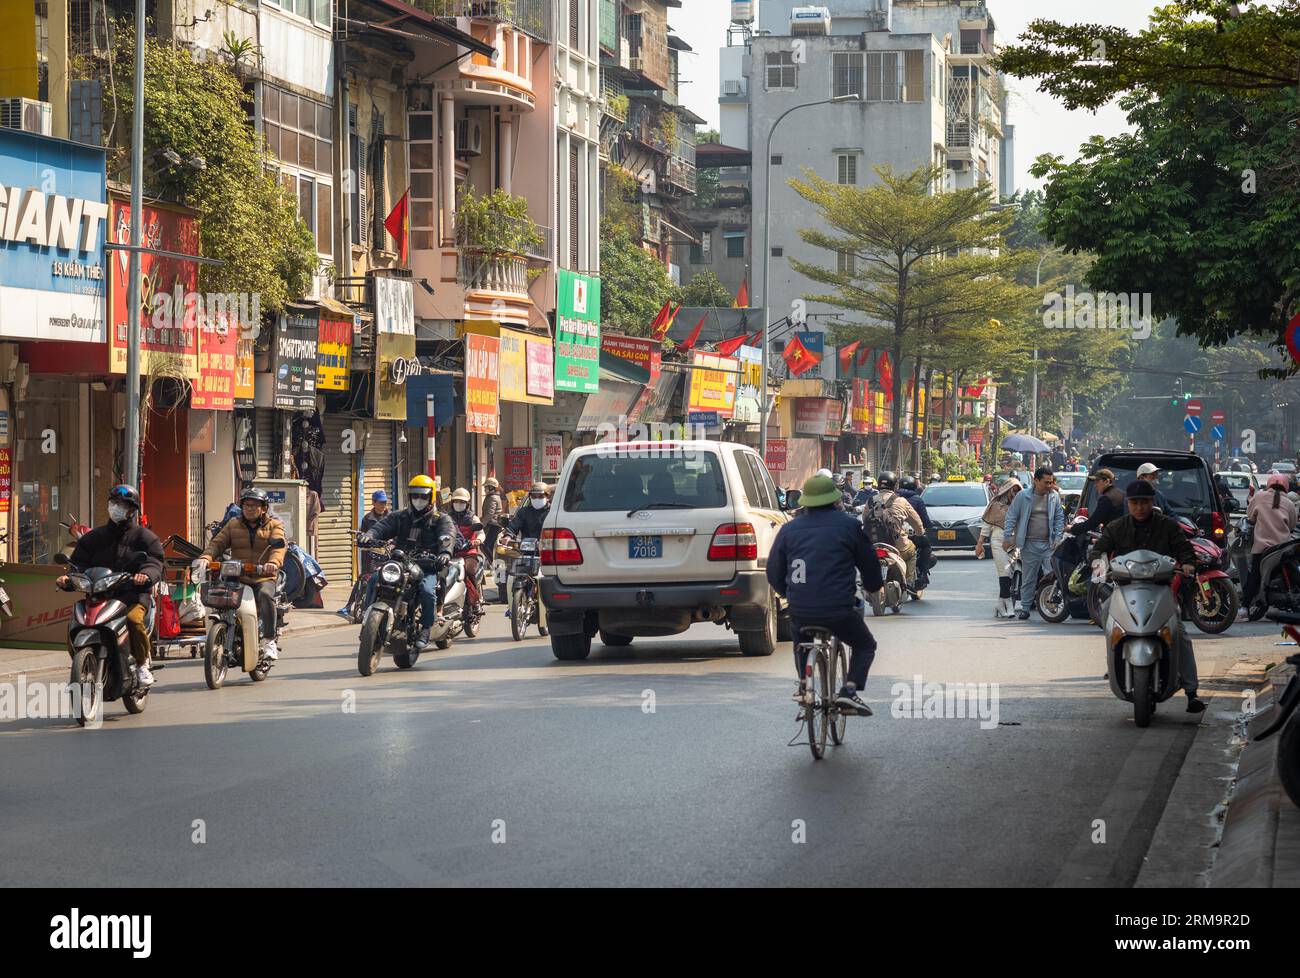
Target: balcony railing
(533,17)
(493,273)
(469,244)
(681,173)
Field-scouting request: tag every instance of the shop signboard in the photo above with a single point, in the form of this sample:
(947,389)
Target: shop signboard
(541,369)
(170,305)
(519,469)
(776,454)
(644,353)
(6,479)
(860,410)
(817,416)
(53,220)
(748,384)
(394,345)
(482,414)
(293,361)
(215,388)
(713,384)
(516,384)
(334,352)
(552,454)
(577,332)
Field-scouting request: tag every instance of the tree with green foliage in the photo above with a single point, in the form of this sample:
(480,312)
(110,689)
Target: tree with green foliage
(246,219)
(634,284)
(705,289)
(1198,206)
(706,178)
(922,262)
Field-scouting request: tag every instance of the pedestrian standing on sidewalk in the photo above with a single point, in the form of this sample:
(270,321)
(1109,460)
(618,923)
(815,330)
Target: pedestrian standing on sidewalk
(1035,521)
(994,517)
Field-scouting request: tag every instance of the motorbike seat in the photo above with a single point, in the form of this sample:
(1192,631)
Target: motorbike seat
(1278,547)
(1285,617)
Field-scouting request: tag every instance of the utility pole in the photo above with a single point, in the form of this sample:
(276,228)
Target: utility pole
(133,262)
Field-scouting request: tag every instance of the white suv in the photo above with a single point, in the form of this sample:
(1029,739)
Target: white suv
(648,538)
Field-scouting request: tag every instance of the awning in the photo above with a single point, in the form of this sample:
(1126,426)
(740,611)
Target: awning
(337,309)
(435,25)
(660,403)
(608,405)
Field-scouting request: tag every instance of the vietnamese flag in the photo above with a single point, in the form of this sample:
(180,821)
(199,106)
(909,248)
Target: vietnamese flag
(862,363)
(695,333)
(728,347)
(846,355)
(798,357)
(742,295)
(664,321)
(398,224)
(886,371)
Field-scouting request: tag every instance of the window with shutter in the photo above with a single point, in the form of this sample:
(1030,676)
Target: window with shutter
(846,68)
(357,150)
(846,167)
(378,172)
(914,75)
(573,207)
(573,24)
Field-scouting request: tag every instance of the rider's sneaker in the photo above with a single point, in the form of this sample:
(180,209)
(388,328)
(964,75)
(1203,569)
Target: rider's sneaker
(143,677)
(270,651)
(422,639)
(1195,704)
(344,612)
(848,699)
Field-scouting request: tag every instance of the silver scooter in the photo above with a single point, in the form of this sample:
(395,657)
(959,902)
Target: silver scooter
(1143,631)
(233,637)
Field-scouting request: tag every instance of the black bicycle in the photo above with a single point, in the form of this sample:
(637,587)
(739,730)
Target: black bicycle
(825,669)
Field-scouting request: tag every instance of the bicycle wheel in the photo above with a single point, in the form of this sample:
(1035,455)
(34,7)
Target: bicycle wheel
(816,715)
(839,720)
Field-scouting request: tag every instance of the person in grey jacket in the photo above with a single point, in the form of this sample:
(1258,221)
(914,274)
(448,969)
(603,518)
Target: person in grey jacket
(1035,522)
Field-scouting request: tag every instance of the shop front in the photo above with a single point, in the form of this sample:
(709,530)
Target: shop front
(527,383)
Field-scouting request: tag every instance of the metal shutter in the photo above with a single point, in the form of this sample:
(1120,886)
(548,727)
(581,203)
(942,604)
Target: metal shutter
(338,520)
(265,442)
(573,205)
(196,498)
(378,461)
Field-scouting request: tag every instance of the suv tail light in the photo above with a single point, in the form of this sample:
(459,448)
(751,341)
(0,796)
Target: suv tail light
(734,541)
(1216,524)
(560,546)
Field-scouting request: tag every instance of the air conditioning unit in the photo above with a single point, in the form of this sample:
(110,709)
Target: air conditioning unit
(810,21)
(469,138)
(731,86)
(635,64)
(26,114)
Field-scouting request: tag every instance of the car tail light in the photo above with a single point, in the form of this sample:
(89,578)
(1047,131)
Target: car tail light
(560,547)
(734,541)
(1216,523)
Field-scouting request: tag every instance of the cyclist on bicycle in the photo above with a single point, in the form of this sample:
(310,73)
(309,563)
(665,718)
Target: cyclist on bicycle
(812,565)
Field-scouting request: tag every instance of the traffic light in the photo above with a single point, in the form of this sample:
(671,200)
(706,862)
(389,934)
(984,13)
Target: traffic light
(1178,396)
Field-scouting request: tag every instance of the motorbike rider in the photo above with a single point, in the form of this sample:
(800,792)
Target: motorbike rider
(463,516)
(122,544)
(527,524)
(494,507)
(1109,505)
(813,565)
(910,489)
(1035,522)
(1273,515)
(249,538)
(420,528)
(1145,529)
(369,560)
(1149,473)
(892,520)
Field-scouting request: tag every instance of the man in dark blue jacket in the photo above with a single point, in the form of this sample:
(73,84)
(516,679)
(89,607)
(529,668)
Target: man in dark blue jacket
(812,565)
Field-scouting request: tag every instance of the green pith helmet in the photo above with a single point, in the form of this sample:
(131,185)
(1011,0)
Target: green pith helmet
(819,490)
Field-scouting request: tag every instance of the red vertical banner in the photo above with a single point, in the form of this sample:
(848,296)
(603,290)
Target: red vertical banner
(482,384)
(860,409)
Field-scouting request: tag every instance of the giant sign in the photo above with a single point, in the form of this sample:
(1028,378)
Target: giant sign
(394,341)
(577,332)
(53,216)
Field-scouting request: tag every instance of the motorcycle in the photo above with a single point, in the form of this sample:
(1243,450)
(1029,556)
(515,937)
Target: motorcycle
(524,594)
(893,569)
(1143,626)
(392,622)
(100,647)
(233,638)
(1285,717)
(1279,580)
(1053,598)
(1213,603)
(467,548)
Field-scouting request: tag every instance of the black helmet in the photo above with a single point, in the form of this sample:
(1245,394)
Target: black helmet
(887,480)
(124,494)
(252,493)
(907,482)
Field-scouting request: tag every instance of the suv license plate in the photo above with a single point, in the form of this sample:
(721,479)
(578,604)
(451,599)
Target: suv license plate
(947,534)
(641,547)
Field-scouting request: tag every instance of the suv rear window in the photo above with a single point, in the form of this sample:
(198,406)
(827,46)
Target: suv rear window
(1236,480)
(1184,482)
(608,483)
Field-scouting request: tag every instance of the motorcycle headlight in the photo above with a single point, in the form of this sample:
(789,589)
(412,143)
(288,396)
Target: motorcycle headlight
(231,568)
(390,573)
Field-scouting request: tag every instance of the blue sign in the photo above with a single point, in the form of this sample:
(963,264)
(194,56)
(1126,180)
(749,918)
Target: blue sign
(443,389)
(1191,424)
(53,222)
(1217,432)
(708,419)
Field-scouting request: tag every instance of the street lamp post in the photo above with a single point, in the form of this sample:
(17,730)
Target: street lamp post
(132,472)
(767,251)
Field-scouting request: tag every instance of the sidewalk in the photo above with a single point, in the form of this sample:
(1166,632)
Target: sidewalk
(14,661)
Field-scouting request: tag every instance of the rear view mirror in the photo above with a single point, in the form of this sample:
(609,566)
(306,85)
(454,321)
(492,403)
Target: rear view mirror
(792,498)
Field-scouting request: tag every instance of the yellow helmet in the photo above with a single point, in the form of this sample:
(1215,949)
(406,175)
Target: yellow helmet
(420,482)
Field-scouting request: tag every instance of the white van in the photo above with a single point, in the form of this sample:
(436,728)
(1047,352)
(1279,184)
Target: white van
(648,538)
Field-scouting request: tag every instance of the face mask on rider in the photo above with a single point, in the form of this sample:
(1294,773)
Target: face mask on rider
(458,507)
(538,503)
(118,512)
(419,503)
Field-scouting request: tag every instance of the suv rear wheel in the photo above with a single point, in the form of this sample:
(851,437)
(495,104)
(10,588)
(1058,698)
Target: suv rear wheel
(571,647)
(763,641)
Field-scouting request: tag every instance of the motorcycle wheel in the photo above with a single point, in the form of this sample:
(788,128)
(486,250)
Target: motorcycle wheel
(1051,604)
(371,644)
(521,613)
(214,655)
(258,674)
(1258,607)
(877,600)
(443,644)
(1223,610)
(1143,696)
(405,660)
(136,702)
(1288,759)
(85,676)
(471,622)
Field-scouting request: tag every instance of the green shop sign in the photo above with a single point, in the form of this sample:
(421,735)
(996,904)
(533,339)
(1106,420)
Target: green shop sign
(577,333)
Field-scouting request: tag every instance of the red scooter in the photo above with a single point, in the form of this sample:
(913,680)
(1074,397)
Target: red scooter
(468,539)
(1213,603)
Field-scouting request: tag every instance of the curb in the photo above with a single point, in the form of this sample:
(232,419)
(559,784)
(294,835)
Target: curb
(1257,810)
